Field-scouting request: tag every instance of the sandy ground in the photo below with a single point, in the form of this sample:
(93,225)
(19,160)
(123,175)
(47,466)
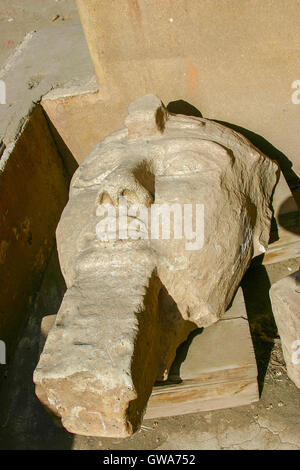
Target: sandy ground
(271,423)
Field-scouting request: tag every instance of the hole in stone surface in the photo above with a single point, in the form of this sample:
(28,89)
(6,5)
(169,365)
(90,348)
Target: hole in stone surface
(143,173)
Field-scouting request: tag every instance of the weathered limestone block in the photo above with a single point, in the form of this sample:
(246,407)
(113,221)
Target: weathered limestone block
(134,294)
(285,297)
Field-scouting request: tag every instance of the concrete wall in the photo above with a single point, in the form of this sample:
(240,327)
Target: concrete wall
(234,60)
(33,193)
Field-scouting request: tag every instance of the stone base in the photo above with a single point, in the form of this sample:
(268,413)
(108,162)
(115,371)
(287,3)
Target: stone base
(215,368)
(285,297)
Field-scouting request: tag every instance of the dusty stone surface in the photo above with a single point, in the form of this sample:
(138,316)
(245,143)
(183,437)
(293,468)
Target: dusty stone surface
(285,296)
(18,18)
(33,69)
(131,302)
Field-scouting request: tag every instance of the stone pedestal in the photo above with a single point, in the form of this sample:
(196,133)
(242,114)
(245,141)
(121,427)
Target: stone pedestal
(285,297)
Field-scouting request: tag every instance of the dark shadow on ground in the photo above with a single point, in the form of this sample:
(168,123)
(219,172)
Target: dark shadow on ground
(181,354)
(68,160)
(24,423)
(256,286)
(288,217)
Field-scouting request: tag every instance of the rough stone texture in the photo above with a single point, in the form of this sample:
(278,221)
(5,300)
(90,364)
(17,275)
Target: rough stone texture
(285,296)
(130,303)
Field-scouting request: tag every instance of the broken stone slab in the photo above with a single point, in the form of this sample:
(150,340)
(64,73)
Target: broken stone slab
(135,293)
(34,69)
(210,372)
(285,298)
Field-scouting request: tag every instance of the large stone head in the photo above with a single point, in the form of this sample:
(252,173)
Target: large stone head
(163,220)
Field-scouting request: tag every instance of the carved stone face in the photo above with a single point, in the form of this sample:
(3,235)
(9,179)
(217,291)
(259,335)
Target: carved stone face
(157,159)
(132,301)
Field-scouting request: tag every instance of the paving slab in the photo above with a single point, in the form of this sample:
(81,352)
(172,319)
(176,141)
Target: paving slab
(45,59)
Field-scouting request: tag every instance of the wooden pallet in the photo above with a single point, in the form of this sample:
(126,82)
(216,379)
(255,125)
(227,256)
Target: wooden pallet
(216,366)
